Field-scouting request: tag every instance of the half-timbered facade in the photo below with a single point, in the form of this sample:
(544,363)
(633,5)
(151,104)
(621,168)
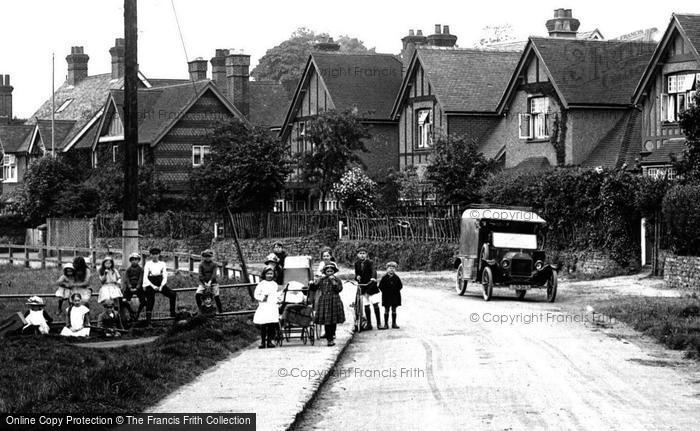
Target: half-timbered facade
(175,127)
(365,84)
(668,87)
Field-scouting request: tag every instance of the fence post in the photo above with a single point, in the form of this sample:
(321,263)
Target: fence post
(176,262)
(191,259)
(26,257)
(94,259)
(60,257)
(43,257)
(9,248)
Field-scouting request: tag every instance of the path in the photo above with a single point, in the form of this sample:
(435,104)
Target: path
(453,366)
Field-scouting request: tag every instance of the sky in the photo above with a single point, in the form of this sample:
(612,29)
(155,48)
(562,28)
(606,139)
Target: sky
(32,30)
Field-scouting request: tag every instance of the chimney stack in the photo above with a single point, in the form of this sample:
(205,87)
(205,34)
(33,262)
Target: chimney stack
(442,37)
(329,45)
(197,69)
(218,69)
(563,24)
(77,65)
(410,43)
(118,58)
(5,98)
(238,75)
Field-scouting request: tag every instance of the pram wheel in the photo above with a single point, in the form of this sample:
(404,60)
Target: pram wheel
(304,336)
(312,335)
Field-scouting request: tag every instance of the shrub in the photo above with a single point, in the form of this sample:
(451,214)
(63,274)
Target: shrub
(426,256)
(681,212)
(356,191)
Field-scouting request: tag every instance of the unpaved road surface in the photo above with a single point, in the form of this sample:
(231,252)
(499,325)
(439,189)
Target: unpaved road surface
(455,365)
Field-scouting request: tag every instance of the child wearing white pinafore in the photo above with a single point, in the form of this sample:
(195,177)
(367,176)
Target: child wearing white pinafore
(267,314)
(77,318)
(110,278)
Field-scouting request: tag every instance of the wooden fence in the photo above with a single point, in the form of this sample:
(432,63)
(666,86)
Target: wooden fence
(403,228)
(281,224)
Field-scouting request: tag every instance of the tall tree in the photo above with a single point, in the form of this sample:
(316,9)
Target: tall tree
(246,170)
(336,138)
(688,167)
(494,34)
(457,170)
(285,62)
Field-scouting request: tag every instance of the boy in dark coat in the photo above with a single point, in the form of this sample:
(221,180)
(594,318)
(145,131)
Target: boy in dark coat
(366,275)
(390,285)
(278,249)
(132,285)
(208,280)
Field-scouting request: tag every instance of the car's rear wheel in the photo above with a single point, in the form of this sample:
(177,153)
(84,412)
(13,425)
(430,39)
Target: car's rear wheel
(461,286)
(552,287)
(520,293)
(487,282)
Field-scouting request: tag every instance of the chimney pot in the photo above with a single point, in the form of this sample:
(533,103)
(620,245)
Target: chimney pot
(442,38)
(419,33)
(437,28)
(118,53)
(77,65)
(238,78)
(410,32)
(197,69)
(5,97)
(445,29)
(7,80)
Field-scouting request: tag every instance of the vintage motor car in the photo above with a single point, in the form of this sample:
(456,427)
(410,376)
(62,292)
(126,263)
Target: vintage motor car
(502,247)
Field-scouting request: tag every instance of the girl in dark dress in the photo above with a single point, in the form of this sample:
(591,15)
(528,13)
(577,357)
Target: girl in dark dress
(328,307)
(390,285)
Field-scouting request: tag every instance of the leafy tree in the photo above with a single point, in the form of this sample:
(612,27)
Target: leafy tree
(108,181)
(246,171)
(457,170)
(689,166)
(495,33)
(285,62)
(336,138)
(356,191)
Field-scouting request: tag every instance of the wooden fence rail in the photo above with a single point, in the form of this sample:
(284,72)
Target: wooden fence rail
(403,228)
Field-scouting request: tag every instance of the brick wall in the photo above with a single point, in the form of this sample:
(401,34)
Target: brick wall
(471,127)
(682,271)
(383,150)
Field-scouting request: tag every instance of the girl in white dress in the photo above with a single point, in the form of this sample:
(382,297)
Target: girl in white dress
(77,318)
(110,278)
(267,314)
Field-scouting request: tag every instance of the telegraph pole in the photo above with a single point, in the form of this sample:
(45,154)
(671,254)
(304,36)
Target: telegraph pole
(130,220)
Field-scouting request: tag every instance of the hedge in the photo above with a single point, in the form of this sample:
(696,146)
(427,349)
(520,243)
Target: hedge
(12,228)
(681,212)
(426,256)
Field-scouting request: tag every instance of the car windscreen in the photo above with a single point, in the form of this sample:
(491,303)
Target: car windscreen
(514,240)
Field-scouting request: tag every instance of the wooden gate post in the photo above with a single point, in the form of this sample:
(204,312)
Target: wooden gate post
(26,257)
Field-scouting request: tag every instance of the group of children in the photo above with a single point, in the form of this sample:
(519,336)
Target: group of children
(116,293)
(327,304)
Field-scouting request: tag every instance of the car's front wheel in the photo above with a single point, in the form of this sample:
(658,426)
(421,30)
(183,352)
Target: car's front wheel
(461,286)
(552,287)
(487,282)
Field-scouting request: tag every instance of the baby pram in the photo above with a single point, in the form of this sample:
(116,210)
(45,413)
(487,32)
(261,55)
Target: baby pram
(296,310)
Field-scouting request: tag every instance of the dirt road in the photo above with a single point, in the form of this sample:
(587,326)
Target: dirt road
(462,363)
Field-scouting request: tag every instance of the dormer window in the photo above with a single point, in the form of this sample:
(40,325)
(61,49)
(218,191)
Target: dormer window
(63,106)
(679,96)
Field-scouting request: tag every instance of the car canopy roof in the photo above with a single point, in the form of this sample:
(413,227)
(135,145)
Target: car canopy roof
(502,214)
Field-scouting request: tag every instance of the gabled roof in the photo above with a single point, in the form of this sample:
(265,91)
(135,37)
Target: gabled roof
(462,80)
(269,101)
(13,136)
(620,146)
(160,108)
(688,25)
(364,83)
(61,130)
(586,73)
(674,148)
(532,164)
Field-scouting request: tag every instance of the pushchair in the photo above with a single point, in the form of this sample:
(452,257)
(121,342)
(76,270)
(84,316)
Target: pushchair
(296,310)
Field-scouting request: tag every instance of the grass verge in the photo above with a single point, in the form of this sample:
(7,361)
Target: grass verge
(675,322)
(53,375)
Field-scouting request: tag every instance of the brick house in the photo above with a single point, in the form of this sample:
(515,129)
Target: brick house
(174,125)
(447,90)
(365,84)
(667,87)
(568,102)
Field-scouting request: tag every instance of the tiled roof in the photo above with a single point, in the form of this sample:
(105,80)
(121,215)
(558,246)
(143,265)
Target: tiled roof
(592,72)
(662,155)
(620,145)
(88,97)
(532,164)
(62,129)
(269,102)
(367,82)
(690,23)
(467,80)
(160,107)
(12,137)
(164,82)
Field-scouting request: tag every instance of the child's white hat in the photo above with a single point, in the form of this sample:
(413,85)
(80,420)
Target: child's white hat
(35,300)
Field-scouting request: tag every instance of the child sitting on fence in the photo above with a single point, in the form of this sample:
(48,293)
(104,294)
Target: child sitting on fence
(65,285)
(110,278)
(82,279)
(155,279)
(208,272)
(132,285)
(77,318)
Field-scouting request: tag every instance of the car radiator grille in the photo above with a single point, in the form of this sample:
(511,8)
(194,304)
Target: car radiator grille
(521,267)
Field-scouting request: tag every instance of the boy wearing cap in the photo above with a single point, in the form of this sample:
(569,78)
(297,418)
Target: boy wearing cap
(132,285)
(155,279)
(208,272)
(109,320)
(390,285)
(366,275)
